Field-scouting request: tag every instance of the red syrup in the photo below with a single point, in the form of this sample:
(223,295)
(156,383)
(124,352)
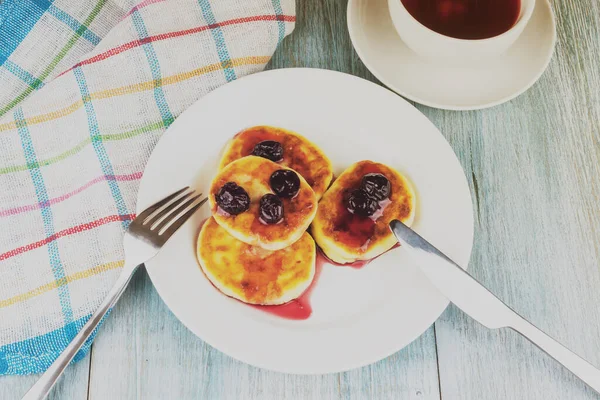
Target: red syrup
(300,308)
(321,257)
(357,231)
(297,309)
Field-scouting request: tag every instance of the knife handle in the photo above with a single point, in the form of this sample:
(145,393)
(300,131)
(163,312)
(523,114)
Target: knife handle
(577,365)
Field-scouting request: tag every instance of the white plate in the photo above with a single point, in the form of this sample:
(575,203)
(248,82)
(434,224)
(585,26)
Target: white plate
(359,316)
(441,86)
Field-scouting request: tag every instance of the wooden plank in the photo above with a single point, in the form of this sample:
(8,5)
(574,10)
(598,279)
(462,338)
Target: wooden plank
(320,40)
(534,166)
(409,374)
(72,386)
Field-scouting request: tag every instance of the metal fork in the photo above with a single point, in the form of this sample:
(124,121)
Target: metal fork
(148,232)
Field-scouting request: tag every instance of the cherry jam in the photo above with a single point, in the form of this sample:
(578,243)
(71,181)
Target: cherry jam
(353,229)
(323,259)
(300,308)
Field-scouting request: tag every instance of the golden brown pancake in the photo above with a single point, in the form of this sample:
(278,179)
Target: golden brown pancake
(346,237)
(252,274)
(299,154)
(253,173)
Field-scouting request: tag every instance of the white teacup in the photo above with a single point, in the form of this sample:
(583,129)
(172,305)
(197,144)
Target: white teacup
(437,47)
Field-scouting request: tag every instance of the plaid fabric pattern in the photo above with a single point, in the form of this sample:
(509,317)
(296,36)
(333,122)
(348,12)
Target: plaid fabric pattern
(88,87)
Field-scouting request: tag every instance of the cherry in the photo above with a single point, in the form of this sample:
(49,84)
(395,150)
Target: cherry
(376,186)
(271,209)
(232,198)
(269,149)
(360,203)
(285,183)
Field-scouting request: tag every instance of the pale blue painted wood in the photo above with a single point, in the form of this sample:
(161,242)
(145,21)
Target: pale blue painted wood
(409,374)
(72,386)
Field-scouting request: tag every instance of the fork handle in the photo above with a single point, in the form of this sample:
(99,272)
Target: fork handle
(42,387)
(577,365)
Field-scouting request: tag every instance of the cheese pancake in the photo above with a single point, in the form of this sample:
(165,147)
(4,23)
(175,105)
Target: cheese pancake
(346,237)
(299,154)
(252,274)
(253,174)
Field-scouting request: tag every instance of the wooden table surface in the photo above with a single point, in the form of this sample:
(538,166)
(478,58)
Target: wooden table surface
(533,166)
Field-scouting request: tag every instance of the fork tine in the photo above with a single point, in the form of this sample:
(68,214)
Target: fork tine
(173,214)
(153,219)
(181,220)
(148,211)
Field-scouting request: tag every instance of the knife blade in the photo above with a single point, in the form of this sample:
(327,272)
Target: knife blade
(480,304)
(452,281)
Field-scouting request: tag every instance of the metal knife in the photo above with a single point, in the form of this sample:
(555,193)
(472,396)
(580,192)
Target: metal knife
(480,304)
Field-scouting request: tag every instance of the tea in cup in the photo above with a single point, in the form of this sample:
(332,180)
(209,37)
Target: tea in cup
(460,31)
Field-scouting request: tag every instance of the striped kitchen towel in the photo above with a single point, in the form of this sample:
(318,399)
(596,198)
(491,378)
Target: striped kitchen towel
(87,87)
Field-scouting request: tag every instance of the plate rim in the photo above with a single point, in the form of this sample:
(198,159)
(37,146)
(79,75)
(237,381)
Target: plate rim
(381,77)
(350,366)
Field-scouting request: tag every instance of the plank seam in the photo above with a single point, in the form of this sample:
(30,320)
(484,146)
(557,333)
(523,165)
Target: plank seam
(90,372)
(437,360)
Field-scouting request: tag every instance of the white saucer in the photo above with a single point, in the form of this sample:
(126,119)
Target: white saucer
(452,88)
(359,315)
